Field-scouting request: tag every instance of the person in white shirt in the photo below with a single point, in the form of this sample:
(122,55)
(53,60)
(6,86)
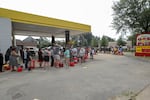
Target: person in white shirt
(82,54)
(92,52)
(74,52)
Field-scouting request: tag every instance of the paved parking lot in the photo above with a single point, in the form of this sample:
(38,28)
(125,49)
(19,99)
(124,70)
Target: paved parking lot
(99,79)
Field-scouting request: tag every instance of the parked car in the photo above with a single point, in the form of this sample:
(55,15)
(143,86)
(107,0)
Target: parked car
(33,51)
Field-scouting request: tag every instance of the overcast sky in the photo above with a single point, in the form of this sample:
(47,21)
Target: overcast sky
(97,13)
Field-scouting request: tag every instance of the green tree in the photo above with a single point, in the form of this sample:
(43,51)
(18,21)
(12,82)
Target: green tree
(109,39)
(104,41)
(121,42)
(83,40)
(133,39)
(131,15)
(88,37)
(95,41)
(75,39)
(92,42)
(43,42)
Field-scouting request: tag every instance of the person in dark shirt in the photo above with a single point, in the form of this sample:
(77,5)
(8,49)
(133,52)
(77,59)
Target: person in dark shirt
(52,56)
(27,59)
(40,57)
(7,54)
(1,62)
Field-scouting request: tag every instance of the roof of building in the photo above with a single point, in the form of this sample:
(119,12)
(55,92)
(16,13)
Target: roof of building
(29,41)
(19,42)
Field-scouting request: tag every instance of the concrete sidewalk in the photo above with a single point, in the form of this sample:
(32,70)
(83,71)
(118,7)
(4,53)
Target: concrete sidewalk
(143,94)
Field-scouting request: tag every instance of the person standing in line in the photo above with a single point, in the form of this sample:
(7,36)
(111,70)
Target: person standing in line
(92,52)
(7,54)
(52,56)
(67,57)
(78,55)
(74,52)
(27,59)
(1,62)
(82,54)
(40,57)
(13,62)
(56,56)
(46,58)
(21,54)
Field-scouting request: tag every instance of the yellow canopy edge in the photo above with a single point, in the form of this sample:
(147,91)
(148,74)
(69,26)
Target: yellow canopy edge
(22,17)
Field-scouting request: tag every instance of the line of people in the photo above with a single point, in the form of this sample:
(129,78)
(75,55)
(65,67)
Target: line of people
(46,57)
(12,56)
(53,57)
(56,55)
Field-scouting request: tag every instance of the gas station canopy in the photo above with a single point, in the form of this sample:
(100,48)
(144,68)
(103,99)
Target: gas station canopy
(36,25)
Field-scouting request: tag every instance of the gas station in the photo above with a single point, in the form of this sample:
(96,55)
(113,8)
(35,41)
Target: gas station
(19,23)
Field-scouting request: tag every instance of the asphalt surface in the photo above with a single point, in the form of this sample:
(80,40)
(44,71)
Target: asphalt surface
(99,79)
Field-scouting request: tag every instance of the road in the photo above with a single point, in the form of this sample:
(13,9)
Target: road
(99,79)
